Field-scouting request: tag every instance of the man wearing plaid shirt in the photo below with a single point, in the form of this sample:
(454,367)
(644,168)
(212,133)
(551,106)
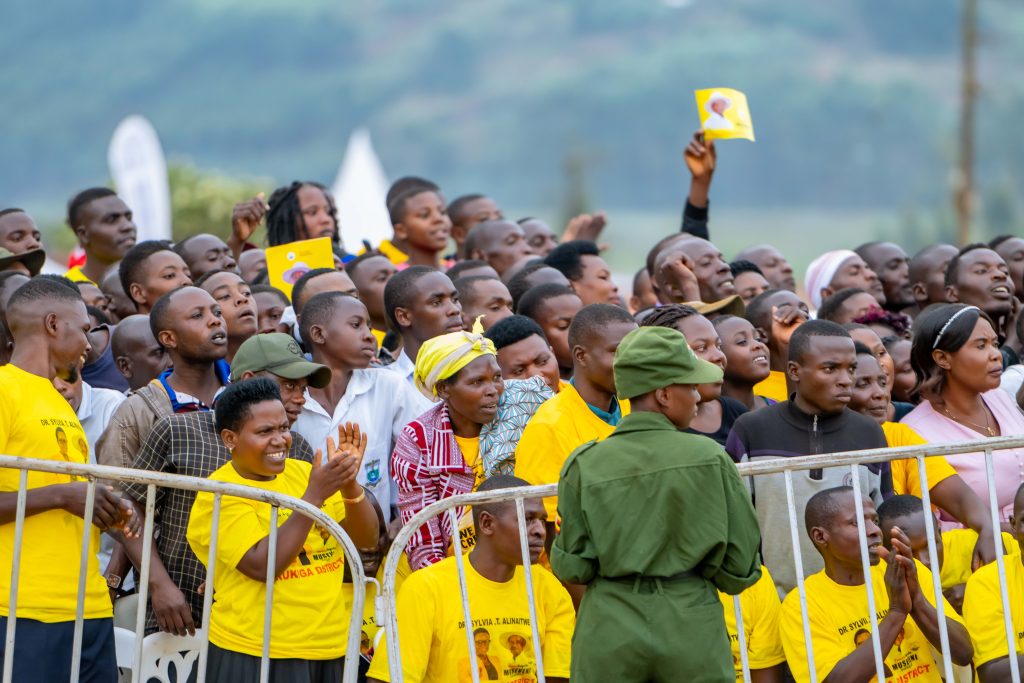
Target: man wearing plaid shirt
(189,444)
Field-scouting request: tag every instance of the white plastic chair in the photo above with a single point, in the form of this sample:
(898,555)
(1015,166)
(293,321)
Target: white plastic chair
(160,652)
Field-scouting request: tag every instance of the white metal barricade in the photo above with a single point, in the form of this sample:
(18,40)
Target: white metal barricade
(784,466)
(152,480)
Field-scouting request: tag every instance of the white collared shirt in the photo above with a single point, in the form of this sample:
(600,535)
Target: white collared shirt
(403,366)
(381,403)
(94,412)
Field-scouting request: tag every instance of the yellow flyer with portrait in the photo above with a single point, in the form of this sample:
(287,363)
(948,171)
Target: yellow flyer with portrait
(286,263)
(724,114)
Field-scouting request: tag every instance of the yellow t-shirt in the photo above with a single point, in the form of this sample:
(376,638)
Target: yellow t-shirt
(905,477)
(839,620)
(309,618)
(773,386)
(958,551)
(983,610)
(379,336)
(760,607)
(561,424)
(470,447)
(369,640)
(430,622)
(76,275)
(36,422)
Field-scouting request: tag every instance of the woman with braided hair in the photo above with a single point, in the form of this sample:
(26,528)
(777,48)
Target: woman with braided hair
(300,211)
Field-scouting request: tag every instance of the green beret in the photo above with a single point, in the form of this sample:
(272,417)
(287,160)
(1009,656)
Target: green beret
(649,358)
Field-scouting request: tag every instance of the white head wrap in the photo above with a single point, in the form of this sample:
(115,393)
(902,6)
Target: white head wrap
(821,271)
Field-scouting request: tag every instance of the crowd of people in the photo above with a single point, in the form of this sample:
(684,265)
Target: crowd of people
(470,352)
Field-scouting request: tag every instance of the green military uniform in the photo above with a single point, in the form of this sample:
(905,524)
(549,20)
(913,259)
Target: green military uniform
(653,521)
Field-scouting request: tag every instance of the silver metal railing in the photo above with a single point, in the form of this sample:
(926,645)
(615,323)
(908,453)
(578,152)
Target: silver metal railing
(785,466)
(152,480)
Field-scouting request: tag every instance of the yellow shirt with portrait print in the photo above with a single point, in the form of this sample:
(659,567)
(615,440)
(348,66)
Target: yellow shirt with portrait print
(310,620)
(562,424)
(905,476)
(433,635)
(760,606)
(983,610)
(37,422)
(839,622)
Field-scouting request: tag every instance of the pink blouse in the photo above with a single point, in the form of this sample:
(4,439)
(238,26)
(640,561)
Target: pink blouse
(935,427)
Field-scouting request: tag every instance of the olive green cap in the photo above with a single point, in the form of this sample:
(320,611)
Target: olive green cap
(280,355)
(650,358)
(33,260)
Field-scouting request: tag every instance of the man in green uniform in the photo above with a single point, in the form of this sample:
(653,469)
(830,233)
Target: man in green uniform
(653,521)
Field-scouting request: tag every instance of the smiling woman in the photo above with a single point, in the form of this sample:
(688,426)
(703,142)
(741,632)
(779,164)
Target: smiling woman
(955,356)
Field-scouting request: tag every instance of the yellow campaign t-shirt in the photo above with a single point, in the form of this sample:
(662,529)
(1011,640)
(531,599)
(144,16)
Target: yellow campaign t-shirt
(773,386)
(760,607)
(309,618)
(561,425)
(433,635)
(36,422)
(839,622)
(958,551)
(983,610)
(76,275)
(905,477)
(369,640)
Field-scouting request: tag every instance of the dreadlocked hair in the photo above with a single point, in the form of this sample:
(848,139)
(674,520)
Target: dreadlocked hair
(285,222)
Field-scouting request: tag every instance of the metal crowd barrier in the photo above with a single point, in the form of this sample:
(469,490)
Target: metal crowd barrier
(220,489)
(784,466)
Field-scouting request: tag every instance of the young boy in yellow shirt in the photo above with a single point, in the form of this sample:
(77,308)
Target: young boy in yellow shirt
(837,602)
(954,548)
(983,607)
(431,619)
(310,620)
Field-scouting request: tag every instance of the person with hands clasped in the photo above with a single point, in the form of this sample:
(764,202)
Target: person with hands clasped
(840,625)
(310,618)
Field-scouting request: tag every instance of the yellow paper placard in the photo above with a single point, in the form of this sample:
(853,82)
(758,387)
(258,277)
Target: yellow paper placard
(286,263)
(724,114)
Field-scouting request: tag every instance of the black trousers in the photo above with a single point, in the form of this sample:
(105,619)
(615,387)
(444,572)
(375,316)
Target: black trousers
(42,652)
(225,666)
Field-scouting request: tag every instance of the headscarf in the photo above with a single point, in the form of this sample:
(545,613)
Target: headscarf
(821,271)
(441,357)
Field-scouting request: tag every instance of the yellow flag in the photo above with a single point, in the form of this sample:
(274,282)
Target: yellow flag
(724,114)
(286,263)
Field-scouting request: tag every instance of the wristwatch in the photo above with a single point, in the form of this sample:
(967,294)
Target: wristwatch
(113,581)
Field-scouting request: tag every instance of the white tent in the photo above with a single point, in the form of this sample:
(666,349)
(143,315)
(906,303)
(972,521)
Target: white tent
(360,191)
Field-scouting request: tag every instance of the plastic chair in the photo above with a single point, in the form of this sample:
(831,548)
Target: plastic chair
(162,653)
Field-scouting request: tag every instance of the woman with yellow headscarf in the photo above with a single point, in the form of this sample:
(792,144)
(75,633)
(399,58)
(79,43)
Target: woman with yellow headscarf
(469,435)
